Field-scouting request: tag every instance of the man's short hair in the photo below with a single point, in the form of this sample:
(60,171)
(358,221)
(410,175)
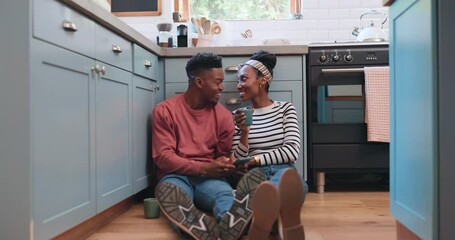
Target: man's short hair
(201,62)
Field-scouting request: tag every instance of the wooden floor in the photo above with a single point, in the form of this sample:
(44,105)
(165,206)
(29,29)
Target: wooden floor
(328,216)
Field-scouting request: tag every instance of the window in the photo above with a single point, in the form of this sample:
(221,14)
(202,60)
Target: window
(239,9)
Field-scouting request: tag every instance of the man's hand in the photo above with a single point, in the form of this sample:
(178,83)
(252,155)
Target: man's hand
(218,168)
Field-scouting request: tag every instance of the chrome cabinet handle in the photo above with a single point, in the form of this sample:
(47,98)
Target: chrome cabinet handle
(147,63)
(103,70)
(98,69)
(233,101)
(231,69)
(157,87)
(69,26)
(116,48)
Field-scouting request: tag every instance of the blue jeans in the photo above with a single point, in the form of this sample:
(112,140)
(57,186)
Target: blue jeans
(208,194)
(274,172)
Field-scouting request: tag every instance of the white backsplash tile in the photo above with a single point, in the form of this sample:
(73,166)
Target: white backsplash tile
(329,3)
(310,4)
(339,13)
(350,3)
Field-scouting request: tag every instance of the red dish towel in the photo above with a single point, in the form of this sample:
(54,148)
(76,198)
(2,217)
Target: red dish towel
(377,95)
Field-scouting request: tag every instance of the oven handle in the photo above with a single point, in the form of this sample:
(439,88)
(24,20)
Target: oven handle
(343,70)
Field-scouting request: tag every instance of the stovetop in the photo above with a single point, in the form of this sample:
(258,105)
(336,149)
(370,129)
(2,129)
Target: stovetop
(347,43)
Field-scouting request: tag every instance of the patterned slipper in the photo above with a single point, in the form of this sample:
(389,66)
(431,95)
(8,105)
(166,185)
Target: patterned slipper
(292,196)
(237,218)
(266,207)
(180,210)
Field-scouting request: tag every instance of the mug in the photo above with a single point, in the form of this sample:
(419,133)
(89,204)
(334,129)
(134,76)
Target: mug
(249,116)
(177,17)
(151,208)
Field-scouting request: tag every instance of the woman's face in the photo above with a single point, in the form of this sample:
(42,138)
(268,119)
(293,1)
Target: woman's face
(248,82)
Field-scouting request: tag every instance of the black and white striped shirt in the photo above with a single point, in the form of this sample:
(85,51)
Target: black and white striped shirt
(274,135)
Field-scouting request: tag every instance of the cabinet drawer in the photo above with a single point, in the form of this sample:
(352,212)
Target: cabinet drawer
(58,24)
(145,63)
(288,91)
(113,49)
(288,68)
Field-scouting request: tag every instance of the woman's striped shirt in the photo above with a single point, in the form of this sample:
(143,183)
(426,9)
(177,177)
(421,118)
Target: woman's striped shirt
(274,135)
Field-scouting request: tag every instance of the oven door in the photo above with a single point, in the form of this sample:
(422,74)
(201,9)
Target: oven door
(337,104)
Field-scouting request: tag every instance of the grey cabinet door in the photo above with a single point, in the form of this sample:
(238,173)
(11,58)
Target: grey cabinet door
(144,99)
(113,136)
(62,150)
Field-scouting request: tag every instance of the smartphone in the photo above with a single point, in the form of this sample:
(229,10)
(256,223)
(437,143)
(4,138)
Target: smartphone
(242,161)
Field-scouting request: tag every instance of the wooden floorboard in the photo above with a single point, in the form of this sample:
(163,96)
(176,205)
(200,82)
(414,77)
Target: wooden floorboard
(328,216)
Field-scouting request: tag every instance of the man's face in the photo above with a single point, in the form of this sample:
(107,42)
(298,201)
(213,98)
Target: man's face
(212,85)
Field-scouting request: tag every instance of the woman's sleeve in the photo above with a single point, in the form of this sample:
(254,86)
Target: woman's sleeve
(289,151)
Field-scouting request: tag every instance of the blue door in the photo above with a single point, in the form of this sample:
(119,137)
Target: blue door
(413,146)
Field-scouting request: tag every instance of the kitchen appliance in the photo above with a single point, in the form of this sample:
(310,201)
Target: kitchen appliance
(371,33)
(337,132)
(164,38)
(182,36)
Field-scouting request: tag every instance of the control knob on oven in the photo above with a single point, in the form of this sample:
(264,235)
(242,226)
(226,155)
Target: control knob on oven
(323,58)
(348,58)
(336,58)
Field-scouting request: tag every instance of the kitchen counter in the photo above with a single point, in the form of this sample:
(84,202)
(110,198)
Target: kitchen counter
(107,19)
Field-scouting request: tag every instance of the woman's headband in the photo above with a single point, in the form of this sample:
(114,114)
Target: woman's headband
(261,68)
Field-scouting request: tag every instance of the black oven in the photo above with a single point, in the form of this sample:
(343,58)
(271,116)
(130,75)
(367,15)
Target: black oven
(337,132)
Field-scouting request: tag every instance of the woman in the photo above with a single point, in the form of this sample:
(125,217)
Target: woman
(272,142)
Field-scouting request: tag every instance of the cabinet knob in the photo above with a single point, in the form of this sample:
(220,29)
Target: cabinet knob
(147,63)
(99,69)
(231,69)
(96,68)
(116,48)
(157,87)
(69,26)
(233,101)
(103,70)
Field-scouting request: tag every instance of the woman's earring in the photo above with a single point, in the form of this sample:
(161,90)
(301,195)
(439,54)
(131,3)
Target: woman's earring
(260,85)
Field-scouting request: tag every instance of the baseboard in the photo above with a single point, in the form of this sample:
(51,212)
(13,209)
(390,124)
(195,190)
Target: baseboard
(91,225)
(403,233)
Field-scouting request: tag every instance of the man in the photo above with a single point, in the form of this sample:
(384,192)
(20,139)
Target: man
(191,143)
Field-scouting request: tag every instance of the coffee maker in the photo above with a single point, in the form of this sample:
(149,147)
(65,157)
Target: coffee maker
(164,38)
(182,36)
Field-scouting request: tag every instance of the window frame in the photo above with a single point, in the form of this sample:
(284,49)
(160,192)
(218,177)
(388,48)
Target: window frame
(294,9)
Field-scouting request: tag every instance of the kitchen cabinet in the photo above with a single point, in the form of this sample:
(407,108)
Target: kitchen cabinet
(143,102)
(62,148)
(81,137)
(288,85)
(84,116)
(148,75)
(113,136)
(422,117)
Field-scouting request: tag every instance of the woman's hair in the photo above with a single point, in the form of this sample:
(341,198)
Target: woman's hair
(201,62)
(269,61)
(266,58)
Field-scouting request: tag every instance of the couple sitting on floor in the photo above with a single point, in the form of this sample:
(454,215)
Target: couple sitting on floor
(196,142)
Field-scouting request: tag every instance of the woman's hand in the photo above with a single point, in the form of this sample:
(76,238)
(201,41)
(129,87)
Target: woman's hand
(239,120)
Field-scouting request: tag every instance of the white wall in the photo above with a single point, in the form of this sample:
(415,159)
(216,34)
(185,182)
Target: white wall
(323,20)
